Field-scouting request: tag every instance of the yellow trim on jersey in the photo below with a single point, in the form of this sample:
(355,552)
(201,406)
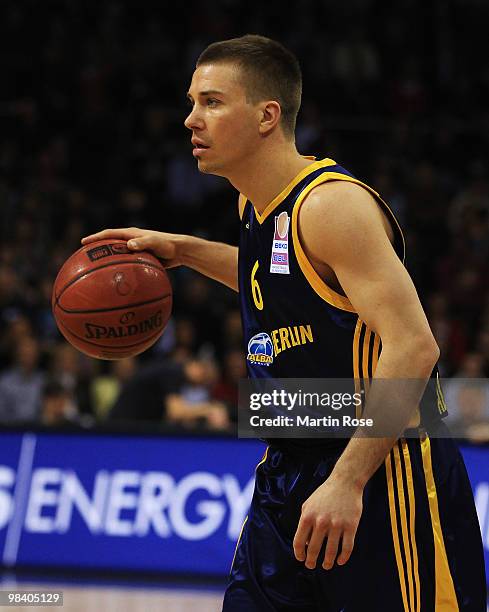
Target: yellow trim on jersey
(445,598)
(323,163)
(412,518)
(262,460)
(404,526)
(375,353)
(237,542)
(343,177)
(362,360)
(365,353)
(356,368)
(356,344)
(395,530)
(440,398)
(320,287)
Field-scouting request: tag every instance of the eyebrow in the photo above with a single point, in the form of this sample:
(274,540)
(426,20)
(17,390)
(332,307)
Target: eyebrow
(207,93)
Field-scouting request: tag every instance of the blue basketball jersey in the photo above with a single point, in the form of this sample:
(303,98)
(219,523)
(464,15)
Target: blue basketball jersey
(418,544)
(294,324)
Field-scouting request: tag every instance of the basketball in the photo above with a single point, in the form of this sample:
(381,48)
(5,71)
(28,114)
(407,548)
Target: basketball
(110,302)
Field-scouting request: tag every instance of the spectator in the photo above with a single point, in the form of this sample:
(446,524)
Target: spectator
(471,404)
(21,385)
(66,367)
(98,141)
(143,397)
(57,407)
(172,393)
(106,388)
(482,344)
(234,370)
(193,403)
(467,397)
(473,197)
(450,333)
(233,330)
(16,327)
(355,59)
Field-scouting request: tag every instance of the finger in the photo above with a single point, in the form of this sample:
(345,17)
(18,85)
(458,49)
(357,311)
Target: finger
(331,548)
(301,538)
(123,233)
(164,249)
(140,243)
(346,547)
(314,546)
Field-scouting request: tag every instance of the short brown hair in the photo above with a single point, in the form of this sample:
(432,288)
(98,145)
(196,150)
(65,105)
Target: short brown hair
(271,72)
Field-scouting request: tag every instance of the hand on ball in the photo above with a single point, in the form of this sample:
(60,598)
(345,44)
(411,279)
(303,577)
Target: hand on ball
(167,247)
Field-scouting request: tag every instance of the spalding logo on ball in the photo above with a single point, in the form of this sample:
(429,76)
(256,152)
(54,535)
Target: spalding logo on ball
(110,302)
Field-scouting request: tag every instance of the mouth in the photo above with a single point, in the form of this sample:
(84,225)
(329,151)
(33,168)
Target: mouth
(199,148)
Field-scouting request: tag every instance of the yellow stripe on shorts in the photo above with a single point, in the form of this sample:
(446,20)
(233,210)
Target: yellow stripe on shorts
(445,598)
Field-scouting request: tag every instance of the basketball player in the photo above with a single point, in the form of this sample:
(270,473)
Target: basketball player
(369,524)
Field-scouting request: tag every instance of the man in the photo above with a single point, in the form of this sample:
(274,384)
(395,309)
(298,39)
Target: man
(383,524)
(57,407)
(164,391)
(21,385)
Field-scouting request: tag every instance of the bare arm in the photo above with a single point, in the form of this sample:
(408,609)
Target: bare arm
(213,259)
(178,410)
(340,225)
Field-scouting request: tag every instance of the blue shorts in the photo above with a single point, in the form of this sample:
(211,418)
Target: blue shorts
(418,546)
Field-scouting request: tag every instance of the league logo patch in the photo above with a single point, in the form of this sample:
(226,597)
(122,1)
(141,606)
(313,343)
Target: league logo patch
(279,263)
(260,349)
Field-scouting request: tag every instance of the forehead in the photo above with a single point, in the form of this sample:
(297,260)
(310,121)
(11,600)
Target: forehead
(222,77)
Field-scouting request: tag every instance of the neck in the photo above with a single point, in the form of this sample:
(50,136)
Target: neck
(268,173)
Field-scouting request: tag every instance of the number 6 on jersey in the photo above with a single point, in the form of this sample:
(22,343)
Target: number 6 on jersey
(255,287)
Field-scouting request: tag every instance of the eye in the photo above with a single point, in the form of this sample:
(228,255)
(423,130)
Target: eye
(212,102)
(189,102)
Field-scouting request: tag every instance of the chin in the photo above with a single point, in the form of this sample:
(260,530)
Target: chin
(209,168)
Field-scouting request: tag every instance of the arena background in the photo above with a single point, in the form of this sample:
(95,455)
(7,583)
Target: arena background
(99,482)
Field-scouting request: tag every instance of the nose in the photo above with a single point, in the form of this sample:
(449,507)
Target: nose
(193,120)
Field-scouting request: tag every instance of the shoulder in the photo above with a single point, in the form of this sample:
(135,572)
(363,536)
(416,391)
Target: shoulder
(344,206)
(341,199)
(339,216)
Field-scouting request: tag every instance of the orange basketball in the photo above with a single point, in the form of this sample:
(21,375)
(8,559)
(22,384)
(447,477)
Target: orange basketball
(110,302)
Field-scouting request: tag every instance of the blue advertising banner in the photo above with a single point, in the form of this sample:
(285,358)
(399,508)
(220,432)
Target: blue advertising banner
(477,462)
(12,485)
(120,502)
(154,504)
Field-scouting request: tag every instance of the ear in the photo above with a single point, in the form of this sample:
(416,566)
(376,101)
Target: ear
(270,113)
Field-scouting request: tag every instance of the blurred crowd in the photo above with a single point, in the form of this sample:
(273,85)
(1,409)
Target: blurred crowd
(92,105)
